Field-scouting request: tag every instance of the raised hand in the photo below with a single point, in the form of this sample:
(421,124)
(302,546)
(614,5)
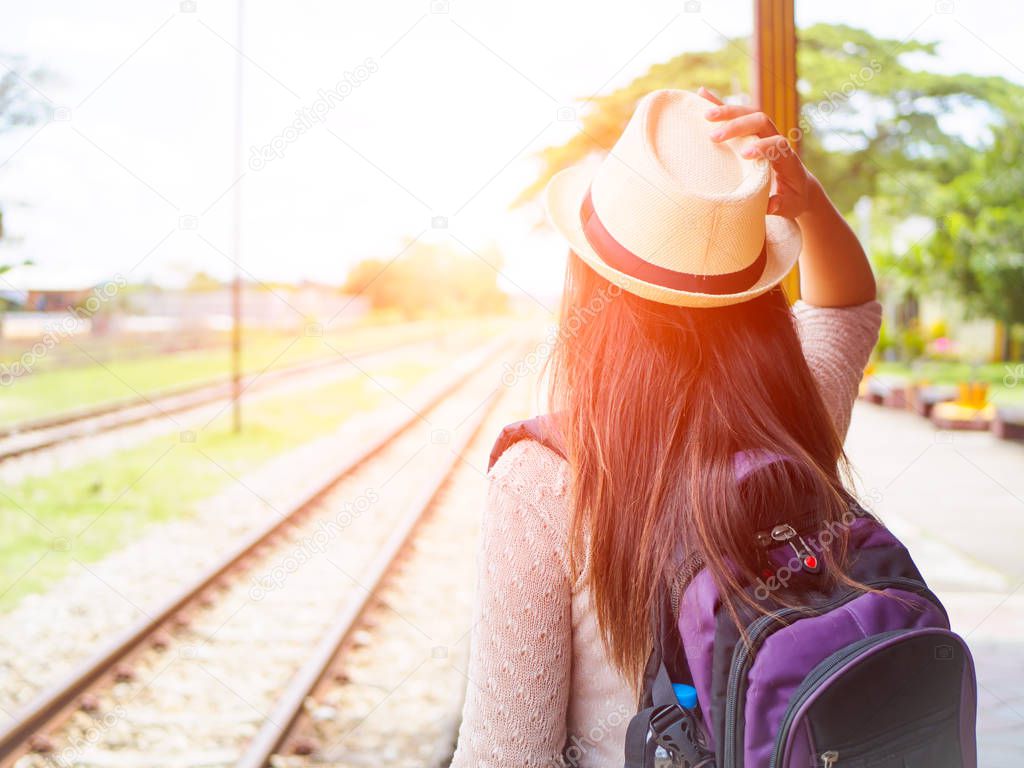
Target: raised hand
(792,183)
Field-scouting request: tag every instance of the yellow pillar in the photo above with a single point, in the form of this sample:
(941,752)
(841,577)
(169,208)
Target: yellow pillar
(775,81)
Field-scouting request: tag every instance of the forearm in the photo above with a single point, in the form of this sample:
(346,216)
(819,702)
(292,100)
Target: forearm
(834,270)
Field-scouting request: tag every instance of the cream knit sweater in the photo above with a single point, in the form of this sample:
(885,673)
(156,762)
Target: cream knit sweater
(541,691)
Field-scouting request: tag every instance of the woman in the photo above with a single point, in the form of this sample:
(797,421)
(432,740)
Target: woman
(677,352)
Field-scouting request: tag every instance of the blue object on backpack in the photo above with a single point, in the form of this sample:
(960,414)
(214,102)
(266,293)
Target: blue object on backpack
(686,695)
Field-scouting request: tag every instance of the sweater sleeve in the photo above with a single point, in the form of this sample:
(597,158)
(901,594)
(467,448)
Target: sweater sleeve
(837,342)
(521,644)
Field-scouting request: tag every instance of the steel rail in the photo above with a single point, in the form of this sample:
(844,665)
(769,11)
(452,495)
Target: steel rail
(217,389)
(50,704)
(289,706)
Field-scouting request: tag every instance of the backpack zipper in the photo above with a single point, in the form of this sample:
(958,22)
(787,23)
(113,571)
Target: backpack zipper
(901,742)
(823,670)
(691,565)
(742,656)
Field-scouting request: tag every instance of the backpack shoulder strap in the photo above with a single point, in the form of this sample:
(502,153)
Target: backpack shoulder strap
(667,660)
(539,428)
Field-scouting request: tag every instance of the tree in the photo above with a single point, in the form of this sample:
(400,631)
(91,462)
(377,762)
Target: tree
(19,105)
(872,124)
(868,119)
(202,282)
(430,280)
(977,249)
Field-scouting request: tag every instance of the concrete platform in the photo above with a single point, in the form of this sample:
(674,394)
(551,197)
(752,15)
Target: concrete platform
(957,500)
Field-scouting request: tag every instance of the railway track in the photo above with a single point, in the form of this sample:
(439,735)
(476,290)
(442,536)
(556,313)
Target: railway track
(391,693)
(388,623)
(187,682)
(40,434)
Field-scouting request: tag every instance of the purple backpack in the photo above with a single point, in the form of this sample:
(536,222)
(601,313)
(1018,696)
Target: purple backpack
(848,679)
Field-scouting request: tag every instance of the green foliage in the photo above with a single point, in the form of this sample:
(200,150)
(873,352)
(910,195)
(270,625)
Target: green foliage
(1004,384)
(871,122)
(903,343)
(20,104)
(201,282)
(724,71)
(4,268)
(429,280)
(911,341)
(87,373)
(977,249)
(103,504)
(886,340)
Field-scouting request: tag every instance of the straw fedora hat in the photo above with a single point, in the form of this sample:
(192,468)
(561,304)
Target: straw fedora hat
(672,216)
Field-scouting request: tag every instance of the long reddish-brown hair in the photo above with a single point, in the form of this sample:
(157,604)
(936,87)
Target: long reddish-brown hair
(653,402)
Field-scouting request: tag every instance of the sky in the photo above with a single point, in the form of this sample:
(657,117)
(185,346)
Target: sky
(431,136)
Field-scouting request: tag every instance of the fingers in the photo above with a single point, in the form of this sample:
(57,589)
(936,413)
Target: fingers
(777,151)
(789,206)
(774,148)
(749,124)
(728,112)
(790,176)
(704,92)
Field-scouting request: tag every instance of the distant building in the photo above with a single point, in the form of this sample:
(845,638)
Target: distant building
(30,306)
(55,300)
(24,290)
(13,299)
(263,306)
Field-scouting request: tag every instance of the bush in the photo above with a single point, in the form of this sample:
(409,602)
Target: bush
(912,342)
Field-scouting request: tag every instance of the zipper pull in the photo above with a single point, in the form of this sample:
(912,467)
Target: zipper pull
(787,533)
(829,758)
(784,533)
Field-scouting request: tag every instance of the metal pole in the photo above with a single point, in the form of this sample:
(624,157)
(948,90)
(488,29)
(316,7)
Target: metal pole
(236,285)
(775,81)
